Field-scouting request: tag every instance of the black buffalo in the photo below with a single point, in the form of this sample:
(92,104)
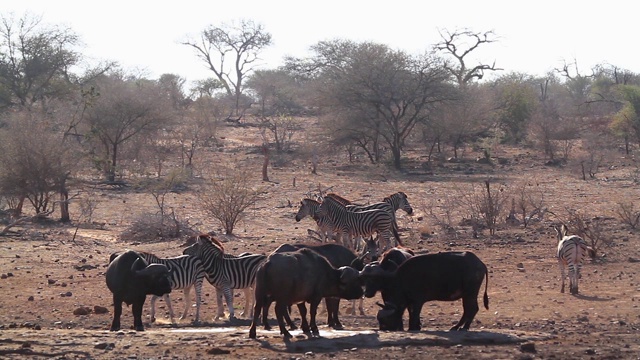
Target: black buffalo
(297,277)
(446,276)
(338,256)
(130,279)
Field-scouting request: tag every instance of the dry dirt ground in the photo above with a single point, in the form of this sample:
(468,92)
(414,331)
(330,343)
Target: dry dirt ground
(47,274)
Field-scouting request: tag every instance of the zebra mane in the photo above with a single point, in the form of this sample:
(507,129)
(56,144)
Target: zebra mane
(211,240)
(338,198)
(310,200)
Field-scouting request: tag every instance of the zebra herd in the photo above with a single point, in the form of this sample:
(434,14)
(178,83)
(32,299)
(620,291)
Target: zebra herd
(353,225)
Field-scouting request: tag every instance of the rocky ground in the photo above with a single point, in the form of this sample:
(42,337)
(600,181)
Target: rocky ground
(53,295)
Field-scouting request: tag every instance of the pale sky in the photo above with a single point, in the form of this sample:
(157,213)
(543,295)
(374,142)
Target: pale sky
(534,36)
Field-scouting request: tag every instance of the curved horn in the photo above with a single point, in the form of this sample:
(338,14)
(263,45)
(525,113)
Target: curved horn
(387,310)
(153,269)
(348,274)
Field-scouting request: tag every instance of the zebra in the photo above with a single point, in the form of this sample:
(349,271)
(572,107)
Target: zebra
(572,251)
(361,223)
(248,294)
(309,207)
(186,272)
(389,204)
(226,273)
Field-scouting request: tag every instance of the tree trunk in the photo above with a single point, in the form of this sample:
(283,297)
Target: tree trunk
(265,164)
(64,205)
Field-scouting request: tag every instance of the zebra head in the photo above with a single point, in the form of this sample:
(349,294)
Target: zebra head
(399,200)
(308,207)
(205,245)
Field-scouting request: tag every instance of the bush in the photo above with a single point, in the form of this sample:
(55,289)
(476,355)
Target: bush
(227,199)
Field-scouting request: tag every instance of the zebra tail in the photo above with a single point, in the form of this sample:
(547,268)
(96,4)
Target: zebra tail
(485,298)
(395,233)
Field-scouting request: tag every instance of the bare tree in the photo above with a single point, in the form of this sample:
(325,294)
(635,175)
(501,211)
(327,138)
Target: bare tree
(125,108)
(460,44)
(239,43)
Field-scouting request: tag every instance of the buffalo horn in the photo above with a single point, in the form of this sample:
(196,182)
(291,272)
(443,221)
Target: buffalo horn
(348,274)
(153,269)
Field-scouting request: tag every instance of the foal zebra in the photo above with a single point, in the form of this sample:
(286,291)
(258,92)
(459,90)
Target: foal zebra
(226,273)
(361,223)
(572,251)
(186,272)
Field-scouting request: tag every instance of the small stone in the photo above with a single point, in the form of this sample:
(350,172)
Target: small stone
(528,348)
(30,298)
(51,281)
(100,309)
(83,310)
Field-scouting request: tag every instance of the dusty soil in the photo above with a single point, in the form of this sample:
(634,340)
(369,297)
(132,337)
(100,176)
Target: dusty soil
(47,274)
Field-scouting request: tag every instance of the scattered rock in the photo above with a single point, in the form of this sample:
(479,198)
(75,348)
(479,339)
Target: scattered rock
(100,309)
(83,310)
(218,351)
(51,281)
(30,298)
(528,348)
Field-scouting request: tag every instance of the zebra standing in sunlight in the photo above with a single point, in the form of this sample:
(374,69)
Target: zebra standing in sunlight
(572,251)
(185,272)
(226,273)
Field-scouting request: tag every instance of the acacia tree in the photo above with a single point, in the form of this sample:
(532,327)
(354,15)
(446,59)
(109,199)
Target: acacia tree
(125,108)
(34,60)
(387,91)
(239,43)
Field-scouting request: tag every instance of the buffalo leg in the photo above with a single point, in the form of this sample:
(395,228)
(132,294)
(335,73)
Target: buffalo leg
(257,307)
(414,316)
(117,312)
(314,311)
(136,308)
(470,309)
(281,309)
(333,309)
(303,314)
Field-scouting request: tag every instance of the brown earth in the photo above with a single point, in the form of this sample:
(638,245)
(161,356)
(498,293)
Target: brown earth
(47,274)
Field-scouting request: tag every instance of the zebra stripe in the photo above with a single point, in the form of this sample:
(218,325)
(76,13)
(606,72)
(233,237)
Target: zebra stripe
(398,201)
(309,207)
(572,251)
(386,206)
(226,273)
(362,223)
(185,272)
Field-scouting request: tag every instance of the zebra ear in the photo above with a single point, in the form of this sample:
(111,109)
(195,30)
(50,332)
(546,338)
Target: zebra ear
(564,230)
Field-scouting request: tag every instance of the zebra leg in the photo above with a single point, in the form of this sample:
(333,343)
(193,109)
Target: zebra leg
(248,295)
(187,301)
(562,274)
(228,295)
(153,308)
(352,310)
(167,299)
(219,300)
(198,286)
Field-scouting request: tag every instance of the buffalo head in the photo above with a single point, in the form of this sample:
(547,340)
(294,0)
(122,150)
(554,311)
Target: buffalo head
(350,284)
(154,276)
(373,276)
(389,317)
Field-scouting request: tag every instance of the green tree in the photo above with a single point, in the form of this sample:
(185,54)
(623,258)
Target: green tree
(626,122)
(34,60)
(516,102)
(386,91)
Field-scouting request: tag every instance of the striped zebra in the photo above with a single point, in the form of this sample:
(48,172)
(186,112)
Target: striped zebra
(248,294)
(362,223)
(572,251)
(186,272)
(309,207)
(226,273)
(389,204)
